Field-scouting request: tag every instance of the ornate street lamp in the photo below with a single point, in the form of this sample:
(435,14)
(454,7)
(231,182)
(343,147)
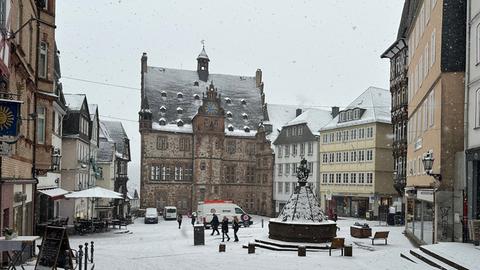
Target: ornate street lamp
(428,165)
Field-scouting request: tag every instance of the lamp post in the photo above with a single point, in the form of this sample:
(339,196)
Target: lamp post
(428,164)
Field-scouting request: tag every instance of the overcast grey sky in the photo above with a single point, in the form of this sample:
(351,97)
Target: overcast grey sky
(320,52)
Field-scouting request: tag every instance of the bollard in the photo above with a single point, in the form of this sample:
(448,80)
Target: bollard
(222,247)
(80,256)
(251,248)
(86,256)
(91,252)
(348,251)
(262,222)
(302,251)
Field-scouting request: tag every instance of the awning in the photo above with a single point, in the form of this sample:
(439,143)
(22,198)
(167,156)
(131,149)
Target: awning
(54,193)
(95,192)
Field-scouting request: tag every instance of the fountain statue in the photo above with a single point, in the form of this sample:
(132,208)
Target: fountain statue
(302,219)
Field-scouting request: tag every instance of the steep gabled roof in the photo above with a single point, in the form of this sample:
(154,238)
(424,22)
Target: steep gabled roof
(74,102)
(117,133)
(314,118)
(375,101)
(93,110)
(175,94)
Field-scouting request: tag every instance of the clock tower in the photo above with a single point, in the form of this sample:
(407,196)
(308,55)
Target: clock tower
(208,138)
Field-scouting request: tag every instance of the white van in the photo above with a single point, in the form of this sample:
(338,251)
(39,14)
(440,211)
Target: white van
(151,215)
(169,212)
(206,209)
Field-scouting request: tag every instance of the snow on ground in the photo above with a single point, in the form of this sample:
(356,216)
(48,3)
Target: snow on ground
(164,246)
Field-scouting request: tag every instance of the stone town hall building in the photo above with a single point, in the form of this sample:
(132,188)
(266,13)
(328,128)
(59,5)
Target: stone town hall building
(202,138)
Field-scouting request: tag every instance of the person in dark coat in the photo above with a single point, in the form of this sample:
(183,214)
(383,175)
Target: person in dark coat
(194,217)
(215,222)
(179,220)
(225,229)
(235,226)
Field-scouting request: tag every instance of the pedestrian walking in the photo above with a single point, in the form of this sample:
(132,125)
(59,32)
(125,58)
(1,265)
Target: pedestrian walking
(215,222)
(225,229)
(235,226)
(179,220)
(194,217)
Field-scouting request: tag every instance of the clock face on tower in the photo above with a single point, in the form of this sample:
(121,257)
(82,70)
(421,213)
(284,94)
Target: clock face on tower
(211,108)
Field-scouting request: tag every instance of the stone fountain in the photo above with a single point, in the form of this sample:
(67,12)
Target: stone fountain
(301,219)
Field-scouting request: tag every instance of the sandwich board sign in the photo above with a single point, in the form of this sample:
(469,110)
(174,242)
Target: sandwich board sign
(55,250)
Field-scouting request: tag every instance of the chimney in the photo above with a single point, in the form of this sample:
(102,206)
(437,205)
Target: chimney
(258,77)
(335,111)
(144,62)
(298,112)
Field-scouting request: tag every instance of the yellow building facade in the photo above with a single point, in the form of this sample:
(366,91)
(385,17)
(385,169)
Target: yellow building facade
(356,158)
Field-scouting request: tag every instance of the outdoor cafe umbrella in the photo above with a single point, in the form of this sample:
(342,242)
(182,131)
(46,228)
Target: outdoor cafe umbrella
(95,193)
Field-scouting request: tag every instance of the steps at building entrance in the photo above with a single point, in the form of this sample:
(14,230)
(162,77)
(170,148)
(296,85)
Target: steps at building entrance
(444,252)
(290,245)
(427,259)
(276,246)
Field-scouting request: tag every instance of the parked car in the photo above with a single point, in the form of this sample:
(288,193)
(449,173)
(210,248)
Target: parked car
(169,213)
(151,215)
(221,208)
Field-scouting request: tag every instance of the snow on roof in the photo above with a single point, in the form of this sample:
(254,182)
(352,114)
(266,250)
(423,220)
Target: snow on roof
(117,133)
(279,115)
(203,54)
(375,101)
(74,102)
(92,108)
(186,128)
(240,133)
(314,118)
(105,150)
(171,81)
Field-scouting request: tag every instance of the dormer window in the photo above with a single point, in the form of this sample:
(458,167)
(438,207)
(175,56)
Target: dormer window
(179,95)
(195,83)
(356,114)
(180,122)
(162,121)
(179,110)
(163,109)
(164,94)
(244,102)
(229,114)
(246,129)
(230,127)
(349,115)
(245,116)
(228,100)
(196,97)
(342,117)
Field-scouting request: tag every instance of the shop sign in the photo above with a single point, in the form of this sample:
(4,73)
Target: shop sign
(425,195)
(9,117)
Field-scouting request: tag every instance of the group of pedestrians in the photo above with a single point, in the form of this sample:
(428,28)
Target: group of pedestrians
(216,222)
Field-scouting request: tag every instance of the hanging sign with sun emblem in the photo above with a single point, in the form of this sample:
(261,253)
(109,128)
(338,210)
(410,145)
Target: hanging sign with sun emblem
(9,117)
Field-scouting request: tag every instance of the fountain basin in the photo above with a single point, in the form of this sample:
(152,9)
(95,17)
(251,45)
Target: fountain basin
(305,232)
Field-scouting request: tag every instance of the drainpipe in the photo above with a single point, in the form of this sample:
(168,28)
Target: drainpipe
(465,114)
(34,150)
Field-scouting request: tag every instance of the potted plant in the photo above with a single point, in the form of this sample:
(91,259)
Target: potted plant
(9,233)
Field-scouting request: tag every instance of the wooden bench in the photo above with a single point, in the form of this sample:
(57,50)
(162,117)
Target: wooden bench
(380,235)
(337,243)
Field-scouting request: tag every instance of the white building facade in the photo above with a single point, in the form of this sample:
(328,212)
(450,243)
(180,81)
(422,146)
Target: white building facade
(298,139)
(472,138)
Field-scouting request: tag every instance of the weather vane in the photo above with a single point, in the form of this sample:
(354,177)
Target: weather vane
(203,42)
